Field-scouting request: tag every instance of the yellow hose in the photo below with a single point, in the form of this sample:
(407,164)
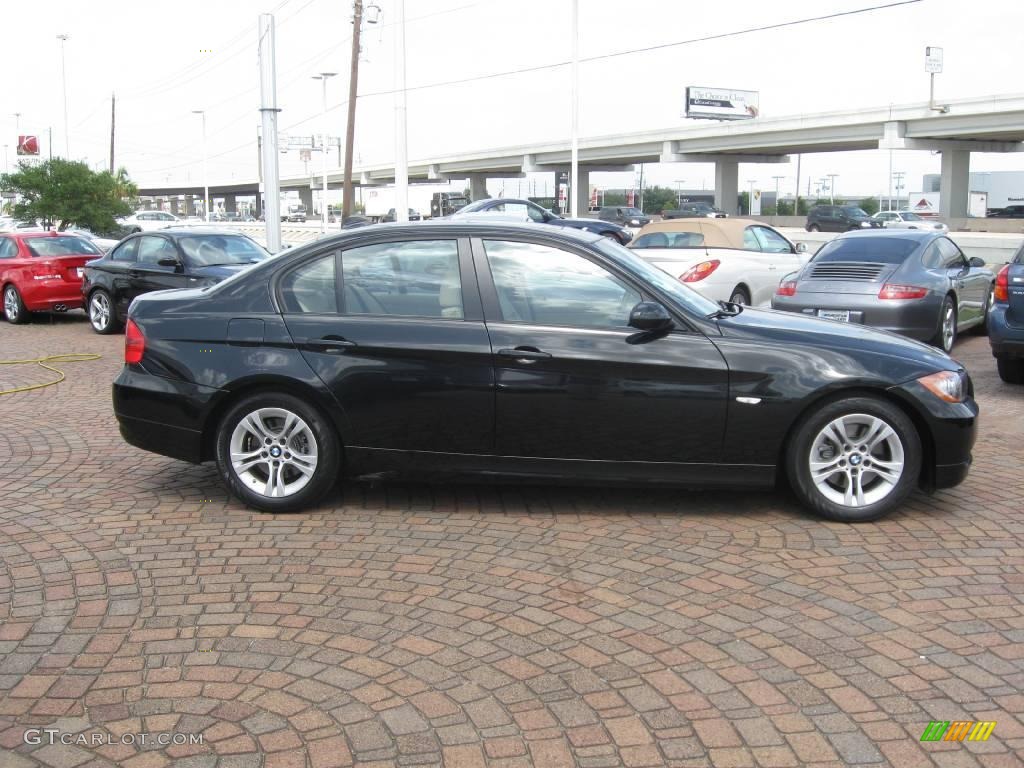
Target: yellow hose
(74,357)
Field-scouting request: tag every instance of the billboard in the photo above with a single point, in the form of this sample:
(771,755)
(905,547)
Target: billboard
(720,103)
(28,145)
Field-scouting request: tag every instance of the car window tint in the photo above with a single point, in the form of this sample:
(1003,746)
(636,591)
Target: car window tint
(931,258)
(8,250)
(416,278)
(126,251)
(152,249)
(541,285)
(669,240)
(536,213)
(311,287)
(206,250)
(951,256)
(750,242)
(63,245)
(771,241)
(877,250)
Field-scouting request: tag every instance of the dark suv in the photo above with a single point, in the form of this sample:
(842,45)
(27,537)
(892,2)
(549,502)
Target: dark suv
(624,216)
(694,211)
(839,218)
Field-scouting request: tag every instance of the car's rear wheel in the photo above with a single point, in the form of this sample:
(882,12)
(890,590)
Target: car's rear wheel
(945,337)
(740,296)
(14,307)
(854,459)
(276,453)
(814,228)
(100,308)
(1011,370)
(982,328)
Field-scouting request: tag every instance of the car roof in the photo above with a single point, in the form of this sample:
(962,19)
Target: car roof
(905,234)
(38,233)
(478,227)
(191,232)
(718,233)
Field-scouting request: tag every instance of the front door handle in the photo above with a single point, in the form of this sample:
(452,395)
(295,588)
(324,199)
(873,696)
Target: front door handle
(525,354)
(331,344)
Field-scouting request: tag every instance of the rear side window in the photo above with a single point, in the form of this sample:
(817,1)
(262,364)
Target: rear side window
(311,287)
(126,251)
(951,256)
(8,250)
(61,246)
(417,278)
(878,250)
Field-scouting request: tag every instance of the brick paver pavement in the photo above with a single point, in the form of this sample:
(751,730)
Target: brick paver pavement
(499,625)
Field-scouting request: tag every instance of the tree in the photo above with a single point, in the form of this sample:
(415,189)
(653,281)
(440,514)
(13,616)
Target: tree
(70,194)
(745,203)
(870,205)
(783,208)
(658,199)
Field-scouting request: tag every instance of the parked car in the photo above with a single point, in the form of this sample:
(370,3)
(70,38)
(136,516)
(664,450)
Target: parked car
(477,346)
(912,282)
(174,258)
(148,221)
(524,210)
(1006,320)
(356,220)
(694,210)
(391,215)
(42,271)
(839,218)
(1009,212)
(908,220)
(736,260)
(446,203)
(624,215)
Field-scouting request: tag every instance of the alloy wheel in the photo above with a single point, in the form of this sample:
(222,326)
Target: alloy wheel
(856,460)
(11,304)
(99,311)
(273,452)
(948,327)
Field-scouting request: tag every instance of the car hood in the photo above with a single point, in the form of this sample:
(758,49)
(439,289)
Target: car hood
(890,356)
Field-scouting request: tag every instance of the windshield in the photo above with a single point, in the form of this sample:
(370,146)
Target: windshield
(880,250)
(208,250)
(67,245)
(911,217)
(683,295)
(855,212)
(632,212)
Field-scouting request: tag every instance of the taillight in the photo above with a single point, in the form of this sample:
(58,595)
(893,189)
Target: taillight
(1002,290)
(699,271)
(786,288)
(134,343)
(897,291)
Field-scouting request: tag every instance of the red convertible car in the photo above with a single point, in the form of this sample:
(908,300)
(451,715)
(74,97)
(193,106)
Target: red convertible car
(42,271)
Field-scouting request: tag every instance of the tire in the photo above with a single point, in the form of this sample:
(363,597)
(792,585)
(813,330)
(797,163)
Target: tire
(1011,370)
(833,494)
(740,296)
(813,228)
(101,312)
(14,307)
(945,336)
(982,328)
(245,429)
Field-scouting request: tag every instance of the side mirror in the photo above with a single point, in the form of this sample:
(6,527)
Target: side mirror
(801,248)
(976,261)
(169,261)
(649,316)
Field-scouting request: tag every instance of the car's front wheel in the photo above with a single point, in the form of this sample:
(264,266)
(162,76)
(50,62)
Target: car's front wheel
(814,228)
(276,453)
(855,459)
(14,307)
(102,317)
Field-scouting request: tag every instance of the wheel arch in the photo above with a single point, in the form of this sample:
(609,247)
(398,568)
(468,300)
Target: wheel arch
(926,478)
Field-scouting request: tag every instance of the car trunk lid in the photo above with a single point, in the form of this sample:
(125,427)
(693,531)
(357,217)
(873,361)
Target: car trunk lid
(67,268)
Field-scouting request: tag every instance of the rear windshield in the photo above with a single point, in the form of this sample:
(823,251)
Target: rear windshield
(881,250)
(66,245)
(668,240)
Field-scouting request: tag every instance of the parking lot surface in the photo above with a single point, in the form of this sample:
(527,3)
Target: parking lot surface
(503,625)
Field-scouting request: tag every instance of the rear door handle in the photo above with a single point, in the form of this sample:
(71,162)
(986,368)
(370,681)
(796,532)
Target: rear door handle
(525,354)
(331,344)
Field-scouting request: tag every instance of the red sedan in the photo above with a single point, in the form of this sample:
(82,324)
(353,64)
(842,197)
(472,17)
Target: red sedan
(42,271)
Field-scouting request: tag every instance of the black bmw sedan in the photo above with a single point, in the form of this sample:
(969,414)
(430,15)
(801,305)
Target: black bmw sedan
(186,257)
(468,347)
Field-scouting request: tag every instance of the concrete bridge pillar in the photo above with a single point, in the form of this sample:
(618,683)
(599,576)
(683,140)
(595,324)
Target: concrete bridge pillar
(477,186)
(581,188)
(230,204)
(306,196)
(954,185)
(727,190)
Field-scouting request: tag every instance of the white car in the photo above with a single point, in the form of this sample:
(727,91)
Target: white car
(737,260)
(908,220)
(149,221)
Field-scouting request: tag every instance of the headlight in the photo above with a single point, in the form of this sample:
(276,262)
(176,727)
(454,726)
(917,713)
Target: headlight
(634,222)
(865,223)
(949,386)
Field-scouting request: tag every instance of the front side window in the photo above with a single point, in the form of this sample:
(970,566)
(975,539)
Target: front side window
(771,241)
(854,212)
(541,285)
(126,251)
(152,249)
(311,287)
(416,278)
(750,242)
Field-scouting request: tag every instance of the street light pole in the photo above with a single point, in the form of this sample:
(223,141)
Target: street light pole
(64,81)
(777,178)
(832,186)
(206,180)
(350,129)
(322,77)
(574,97)
(401,146)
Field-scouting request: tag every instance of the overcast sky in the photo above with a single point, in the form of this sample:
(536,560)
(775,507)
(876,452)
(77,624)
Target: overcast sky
(165,60)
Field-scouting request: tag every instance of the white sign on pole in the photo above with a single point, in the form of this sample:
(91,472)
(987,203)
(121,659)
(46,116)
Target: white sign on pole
(755,202)
(933,59)
(721,103)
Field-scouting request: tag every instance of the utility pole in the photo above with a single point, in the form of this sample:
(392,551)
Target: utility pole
(776,197)
(832,186)
(350,130)
(64,80)
(796,199)
(268,112)
(574,97)
(401,145)
(111,134)
(206,178)
(322,77)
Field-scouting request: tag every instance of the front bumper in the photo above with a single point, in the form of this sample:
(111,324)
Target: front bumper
(914,318)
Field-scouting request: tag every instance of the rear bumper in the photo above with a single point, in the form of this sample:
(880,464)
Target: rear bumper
(914,318)
(46,294)
(1006,340)
(162,415)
